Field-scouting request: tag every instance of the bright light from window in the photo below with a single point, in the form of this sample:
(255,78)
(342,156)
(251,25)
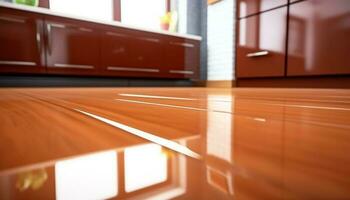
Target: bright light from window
(243,24)
(92,9)
(87,177)
(145,165)
(142,13)
(219,138)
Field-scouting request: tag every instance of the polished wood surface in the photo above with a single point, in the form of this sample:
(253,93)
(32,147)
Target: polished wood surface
(261,44)
(174,143)
(318,41)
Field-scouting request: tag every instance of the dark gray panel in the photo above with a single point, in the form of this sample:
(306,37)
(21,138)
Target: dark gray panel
(70,81)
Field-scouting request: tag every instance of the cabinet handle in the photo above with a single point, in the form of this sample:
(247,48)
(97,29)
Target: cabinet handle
(257,54)
(115,34)
(11,19)
(59,65)
(112,68)
(85,29)
(148,39)
(181,72)
(139,38)
(5,62)
(57,25)
(184,44)
(66,26)
(48,29)
(38,36)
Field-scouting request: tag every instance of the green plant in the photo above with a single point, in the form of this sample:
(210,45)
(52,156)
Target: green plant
(27,2)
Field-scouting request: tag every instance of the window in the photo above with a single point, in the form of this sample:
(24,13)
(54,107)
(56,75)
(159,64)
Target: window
(100,10)
(144,14)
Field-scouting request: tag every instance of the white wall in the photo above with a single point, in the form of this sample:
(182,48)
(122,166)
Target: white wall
(103,10)
(221,34)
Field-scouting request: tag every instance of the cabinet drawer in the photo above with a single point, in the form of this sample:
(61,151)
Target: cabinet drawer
(182,58)
(319,44)
(72,47)
(21,42)
(250,7)
(261,44)
(129,53)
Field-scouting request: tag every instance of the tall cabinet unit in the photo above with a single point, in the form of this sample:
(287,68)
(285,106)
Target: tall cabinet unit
(261,44)
(294,43)
(21,42)
(319,38)
(252,7)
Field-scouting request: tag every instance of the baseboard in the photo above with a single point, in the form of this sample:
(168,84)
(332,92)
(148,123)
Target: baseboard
(221,84)
(215,84)
(71,81)
(199,83)
(297,82)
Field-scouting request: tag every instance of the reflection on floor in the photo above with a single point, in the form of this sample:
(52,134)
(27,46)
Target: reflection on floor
(174,143)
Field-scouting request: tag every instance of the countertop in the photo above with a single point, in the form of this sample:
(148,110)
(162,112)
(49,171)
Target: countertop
(111,23)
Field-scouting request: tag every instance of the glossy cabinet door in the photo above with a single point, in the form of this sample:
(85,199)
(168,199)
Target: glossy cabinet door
(21,42)
(250,7)
(41,43)
(261,44)
(127,53)
(147,54)
(116,52)
(182,58)
(319,38)
(72,47)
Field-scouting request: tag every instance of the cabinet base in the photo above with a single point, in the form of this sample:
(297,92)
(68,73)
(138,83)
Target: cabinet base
(296,82)
(74,81)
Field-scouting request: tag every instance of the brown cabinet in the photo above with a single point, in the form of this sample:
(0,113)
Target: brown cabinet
(21,42)
(116,51)
(126,53)
(312,50)
(261,44)
(250,7)
(72,47)
(319,38)
(182,58)
(42,43)
(147,54)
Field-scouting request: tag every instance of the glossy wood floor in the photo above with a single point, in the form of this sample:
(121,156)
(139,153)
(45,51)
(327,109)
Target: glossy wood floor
(174,143)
